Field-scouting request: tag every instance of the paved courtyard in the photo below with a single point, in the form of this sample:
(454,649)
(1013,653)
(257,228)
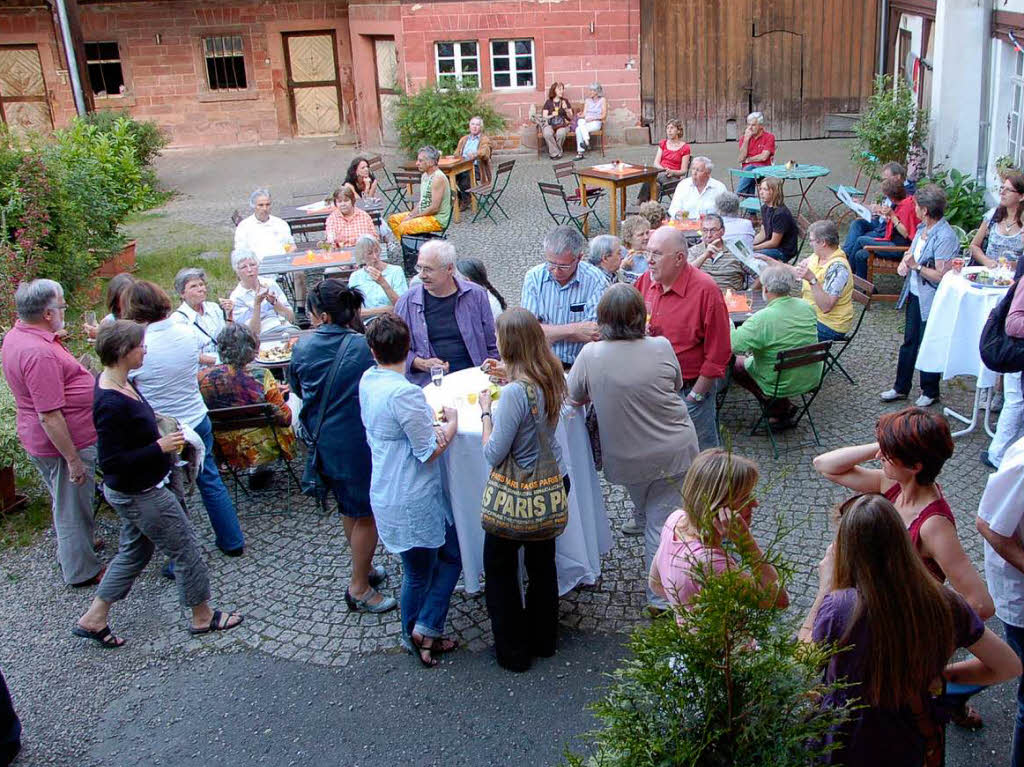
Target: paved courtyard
(305,681)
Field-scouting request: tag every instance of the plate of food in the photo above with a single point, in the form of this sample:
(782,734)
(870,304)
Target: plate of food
(983,277)
(276,352)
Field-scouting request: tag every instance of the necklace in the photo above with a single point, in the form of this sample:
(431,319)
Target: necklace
(123,386)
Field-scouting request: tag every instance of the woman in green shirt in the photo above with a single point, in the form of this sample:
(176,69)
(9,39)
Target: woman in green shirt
(786,322)
(434,209)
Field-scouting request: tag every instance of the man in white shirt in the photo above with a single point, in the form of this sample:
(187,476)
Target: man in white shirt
(261,233)
(1001,523)
(697,194)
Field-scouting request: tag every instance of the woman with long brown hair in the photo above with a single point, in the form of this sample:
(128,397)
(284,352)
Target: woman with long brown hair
(778,236)
(1005,227)
(521,634)
(897,628)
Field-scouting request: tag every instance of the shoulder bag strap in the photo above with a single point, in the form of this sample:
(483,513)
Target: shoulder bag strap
(539,423)
(194,323)
(331,376)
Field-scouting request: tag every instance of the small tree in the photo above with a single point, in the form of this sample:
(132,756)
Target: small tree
(439,116)
(891,128)
(728,685)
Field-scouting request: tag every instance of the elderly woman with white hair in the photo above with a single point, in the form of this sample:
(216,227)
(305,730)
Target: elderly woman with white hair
(606,253)
(258,303)
(434,209)
(756,149)
(205,318)
(595,112)
(261,233)
(786,322)
(380,283)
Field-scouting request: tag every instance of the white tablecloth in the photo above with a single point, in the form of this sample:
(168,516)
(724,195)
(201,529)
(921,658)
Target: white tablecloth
(587,535)
(953,332)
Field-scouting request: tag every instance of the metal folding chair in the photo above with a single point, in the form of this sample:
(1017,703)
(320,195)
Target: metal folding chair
(488,195)
(564,212)
(567,169)
(862,293)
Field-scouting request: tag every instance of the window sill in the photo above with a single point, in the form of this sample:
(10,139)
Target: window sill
(115,102)
(206,97)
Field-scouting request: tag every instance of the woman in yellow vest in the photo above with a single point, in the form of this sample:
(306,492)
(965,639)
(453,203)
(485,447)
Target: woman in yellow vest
(434,209)
(828,282)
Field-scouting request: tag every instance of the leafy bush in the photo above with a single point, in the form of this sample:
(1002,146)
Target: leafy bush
(11,451)
(965,197)
(439,117)
(728,685)
(147,138)
(891,127)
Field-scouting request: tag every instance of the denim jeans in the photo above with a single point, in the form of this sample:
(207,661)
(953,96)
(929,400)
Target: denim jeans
(223,518)
(913,333)
(1015,638)
(747,186)
(704,415)
(861,228)
(428,580)
(859,257)
(775,253)
(825,333)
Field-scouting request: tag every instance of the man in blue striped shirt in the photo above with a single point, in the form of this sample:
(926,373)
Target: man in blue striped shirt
(563,292)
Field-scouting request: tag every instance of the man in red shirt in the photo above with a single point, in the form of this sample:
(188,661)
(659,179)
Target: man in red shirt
(685,306)
(54,394)
(757,149)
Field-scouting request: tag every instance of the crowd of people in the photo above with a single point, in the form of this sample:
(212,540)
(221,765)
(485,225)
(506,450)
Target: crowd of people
(634,329)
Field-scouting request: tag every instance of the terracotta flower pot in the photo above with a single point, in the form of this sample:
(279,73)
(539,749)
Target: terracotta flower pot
(9,498)
(122,262)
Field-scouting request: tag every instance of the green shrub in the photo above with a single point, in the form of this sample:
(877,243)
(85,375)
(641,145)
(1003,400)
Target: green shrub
(965,197)
(440,117)
(891,128)
(147,138)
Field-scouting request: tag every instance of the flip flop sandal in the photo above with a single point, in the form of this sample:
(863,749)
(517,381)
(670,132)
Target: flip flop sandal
(216,624)
(102,636)
(442,645)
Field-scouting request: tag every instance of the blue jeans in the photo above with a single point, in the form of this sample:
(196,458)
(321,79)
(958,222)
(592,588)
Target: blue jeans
(775,253)
(704,415)
(859,257)
(428,580)
(825,333)
(223,518)
(861,228)
(1015,638)
(747,185)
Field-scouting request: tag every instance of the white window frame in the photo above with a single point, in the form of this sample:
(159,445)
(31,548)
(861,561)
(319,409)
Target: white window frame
(1015,134)
(513,71)
(458,57)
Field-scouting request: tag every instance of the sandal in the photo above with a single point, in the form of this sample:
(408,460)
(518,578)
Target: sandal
(440,645)
(103,636)
(429,661)
(219,622)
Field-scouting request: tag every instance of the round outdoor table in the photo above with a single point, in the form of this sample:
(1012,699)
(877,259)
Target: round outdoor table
(951,337)
(804,175)
(587,535)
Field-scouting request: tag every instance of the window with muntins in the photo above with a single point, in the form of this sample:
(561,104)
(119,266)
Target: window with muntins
(512,64)
(225,63)
(458,64)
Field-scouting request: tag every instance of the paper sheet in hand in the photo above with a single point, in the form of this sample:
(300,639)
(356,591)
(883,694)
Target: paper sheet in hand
(856,207)
(745,254)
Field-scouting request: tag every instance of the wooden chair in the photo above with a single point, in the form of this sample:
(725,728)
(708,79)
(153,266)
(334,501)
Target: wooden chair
(309,229)
(668,188)
(564,211)
(862,294)
(791,359)
(488,195)
(256,416)
(878,265)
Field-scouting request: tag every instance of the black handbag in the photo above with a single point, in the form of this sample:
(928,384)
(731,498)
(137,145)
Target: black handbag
(312,483)
(1001,353)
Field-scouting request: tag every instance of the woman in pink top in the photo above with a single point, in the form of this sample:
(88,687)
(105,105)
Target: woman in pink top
(718,501)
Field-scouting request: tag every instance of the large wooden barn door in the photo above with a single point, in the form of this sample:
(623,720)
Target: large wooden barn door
(313,83)
(709,63)
(24,105)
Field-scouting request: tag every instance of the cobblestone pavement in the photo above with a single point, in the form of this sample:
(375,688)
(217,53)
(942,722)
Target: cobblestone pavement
(290,583)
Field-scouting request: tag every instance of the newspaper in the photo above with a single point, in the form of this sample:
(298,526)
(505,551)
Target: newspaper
(856,207)
(745,254)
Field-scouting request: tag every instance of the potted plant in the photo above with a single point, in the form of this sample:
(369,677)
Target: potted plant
(1005,166)
(891,129)
(11,451)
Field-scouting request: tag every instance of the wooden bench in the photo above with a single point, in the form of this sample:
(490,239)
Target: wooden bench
(577,109)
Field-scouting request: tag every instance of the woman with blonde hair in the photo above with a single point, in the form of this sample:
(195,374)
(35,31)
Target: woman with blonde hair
(897,628)
(534,373)
(778,236)
(634,232)
(718,501)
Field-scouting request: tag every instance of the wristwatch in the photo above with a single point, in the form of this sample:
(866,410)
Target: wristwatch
(918,267)
(696,396)
(813,280)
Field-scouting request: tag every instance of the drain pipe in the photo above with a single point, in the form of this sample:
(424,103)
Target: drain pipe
(69,50)
(883,36)
(985,118)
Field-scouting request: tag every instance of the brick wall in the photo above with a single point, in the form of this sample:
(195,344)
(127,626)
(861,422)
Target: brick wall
(564,47)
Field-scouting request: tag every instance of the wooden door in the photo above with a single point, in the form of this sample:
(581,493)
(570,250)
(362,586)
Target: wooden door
(776,82)
(386,56)
(313,84)
(23,102)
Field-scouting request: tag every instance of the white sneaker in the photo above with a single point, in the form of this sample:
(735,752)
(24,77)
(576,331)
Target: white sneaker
(925,401)
(630,527)
(891,396)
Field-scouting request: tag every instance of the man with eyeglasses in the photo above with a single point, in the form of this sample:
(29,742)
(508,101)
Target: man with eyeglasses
(712,257)
(449,318)
(563,293)
(685,306)
(54,394)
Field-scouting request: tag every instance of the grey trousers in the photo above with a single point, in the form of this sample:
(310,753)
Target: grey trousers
(72,514)
(555,139)
(153,519)
(654,501)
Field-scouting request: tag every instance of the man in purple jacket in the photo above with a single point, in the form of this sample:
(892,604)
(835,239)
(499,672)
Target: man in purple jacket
(450,319)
